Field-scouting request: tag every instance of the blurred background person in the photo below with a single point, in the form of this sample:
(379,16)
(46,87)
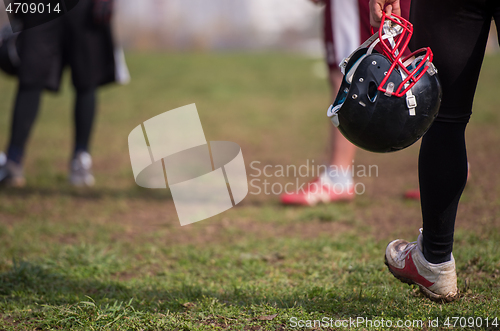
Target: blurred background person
(83,40)
(346,25)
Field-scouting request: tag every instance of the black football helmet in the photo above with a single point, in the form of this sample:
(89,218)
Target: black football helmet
(386,102)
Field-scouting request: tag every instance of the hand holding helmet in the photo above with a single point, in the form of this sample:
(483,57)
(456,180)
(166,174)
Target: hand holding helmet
(387,100)
(378,7)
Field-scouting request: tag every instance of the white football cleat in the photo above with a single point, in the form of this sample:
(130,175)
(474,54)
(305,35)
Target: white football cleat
(407,263)
(81,170)
(318,191)
(11,174)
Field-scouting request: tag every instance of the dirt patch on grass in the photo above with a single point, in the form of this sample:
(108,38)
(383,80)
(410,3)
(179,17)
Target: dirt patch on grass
(143,218)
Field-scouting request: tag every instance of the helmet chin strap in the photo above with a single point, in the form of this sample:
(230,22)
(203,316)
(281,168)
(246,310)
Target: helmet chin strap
(366,44)
(390,29)
(332,113)
(411,101)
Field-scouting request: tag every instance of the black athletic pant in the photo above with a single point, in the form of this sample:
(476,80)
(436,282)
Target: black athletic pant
(457,32)
(25,112)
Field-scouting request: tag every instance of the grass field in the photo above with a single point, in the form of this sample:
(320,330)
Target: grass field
(115,257)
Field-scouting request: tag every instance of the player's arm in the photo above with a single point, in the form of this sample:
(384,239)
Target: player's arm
(377,7)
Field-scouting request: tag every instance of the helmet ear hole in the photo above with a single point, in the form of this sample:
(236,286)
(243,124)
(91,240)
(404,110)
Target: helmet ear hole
(372,91)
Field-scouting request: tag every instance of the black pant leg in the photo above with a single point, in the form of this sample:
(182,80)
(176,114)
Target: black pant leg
(25,111)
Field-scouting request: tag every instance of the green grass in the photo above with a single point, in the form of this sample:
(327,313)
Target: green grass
(115,257)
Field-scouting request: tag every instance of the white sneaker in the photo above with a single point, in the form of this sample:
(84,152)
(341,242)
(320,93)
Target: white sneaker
(317,191)
(407,263)
(3,159)
(11,173)
(81,170)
